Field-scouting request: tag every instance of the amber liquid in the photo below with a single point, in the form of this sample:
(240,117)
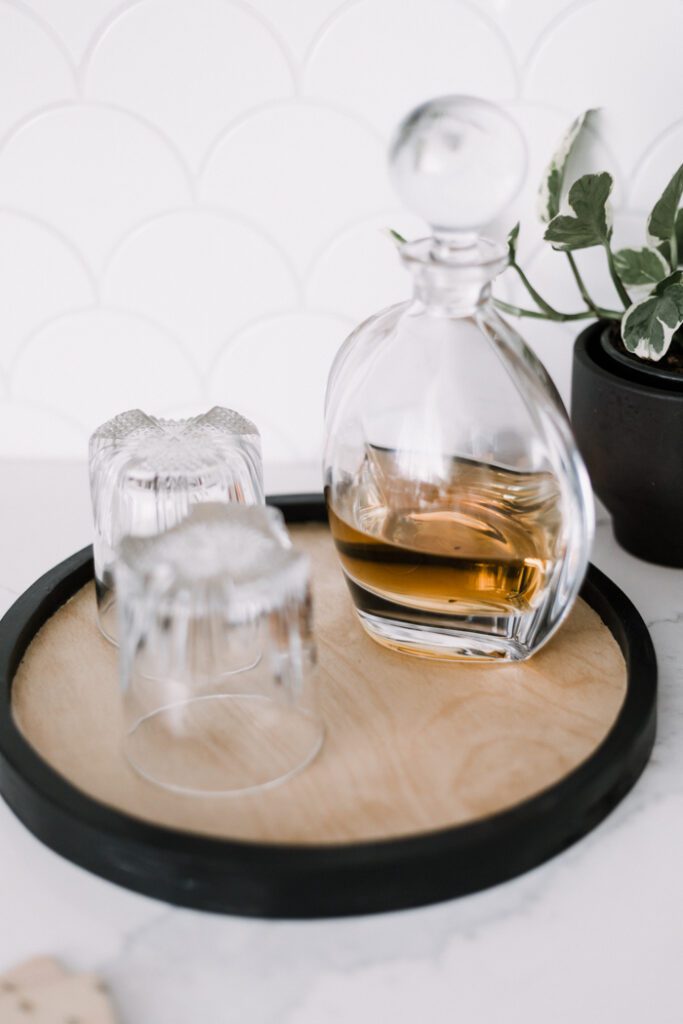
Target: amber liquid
(482,540)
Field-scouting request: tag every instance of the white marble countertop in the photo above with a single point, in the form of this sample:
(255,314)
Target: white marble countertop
(594,935)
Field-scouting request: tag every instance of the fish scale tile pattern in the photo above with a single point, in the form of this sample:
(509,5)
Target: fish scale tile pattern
(192,196)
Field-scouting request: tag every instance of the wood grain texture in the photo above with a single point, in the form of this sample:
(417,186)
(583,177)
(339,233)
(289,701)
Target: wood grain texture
(412,745)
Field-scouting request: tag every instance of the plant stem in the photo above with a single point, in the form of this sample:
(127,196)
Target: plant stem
(673,250)
(540,302)
(587,314)
(621,291)
(580,284)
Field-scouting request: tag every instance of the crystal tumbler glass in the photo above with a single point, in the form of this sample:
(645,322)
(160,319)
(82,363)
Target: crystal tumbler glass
(217,657)
(146,474)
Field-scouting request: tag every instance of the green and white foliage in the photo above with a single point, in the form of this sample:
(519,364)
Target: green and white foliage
(592,223)
(641,267)
(550,192)
(661,224)
(653,312)
(666,249)
(649,325)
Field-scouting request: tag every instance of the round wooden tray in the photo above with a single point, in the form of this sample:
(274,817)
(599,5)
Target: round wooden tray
(435,780)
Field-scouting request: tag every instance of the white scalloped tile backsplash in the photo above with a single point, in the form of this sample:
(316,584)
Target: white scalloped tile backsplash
(192,194)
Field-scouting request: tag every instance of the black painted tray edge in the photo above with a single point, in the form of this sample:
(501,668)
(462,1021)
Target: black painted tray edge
(288,881)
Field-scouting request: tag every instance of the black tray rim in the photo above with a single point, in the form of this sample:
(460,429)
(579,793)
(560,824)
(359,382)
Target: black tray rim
(312,881)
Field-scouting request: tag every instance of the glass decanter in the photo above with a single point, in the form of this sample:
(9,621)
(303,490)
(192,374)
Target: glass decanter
(459,505)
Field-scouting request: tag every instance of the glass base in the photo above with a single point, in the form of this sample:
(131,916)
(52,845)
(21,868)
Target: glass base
(464,640)
(107,615)
(223,744)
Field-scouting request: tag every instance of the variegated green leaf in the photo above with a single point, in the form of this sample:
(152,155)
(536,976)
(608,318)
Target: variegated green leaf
(665,247)
(591,224)
(648,326)
(512,242)
(640,266)
(550,192)
(660,224)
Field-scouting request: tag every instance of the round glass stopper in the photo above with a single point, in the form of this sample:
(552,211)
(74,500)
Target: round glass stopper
(457,162)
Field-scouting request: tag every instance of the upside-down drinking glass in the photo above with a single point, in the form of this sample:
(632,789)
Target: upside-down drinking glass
(217,657)
(147,473)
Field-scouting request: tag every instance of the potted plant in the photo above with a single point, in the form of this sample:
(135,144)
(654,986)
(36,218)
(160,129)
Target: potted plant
(627,382)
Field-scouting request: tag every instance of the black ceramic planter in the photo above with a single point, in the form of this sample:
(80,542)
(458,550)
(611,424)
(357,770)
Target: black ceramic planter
(629,428)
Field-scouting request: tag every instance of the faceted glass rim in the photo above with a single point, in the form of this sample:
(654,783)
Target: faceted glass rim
(126,425)
(236,589)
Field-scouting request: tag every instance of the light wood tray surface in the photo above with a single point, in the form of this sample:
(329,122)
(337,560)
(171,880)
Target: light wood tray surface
(412,745)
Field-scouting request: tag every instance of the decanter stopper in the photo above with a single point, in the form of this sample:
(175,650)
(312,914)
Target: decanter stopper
(457,161)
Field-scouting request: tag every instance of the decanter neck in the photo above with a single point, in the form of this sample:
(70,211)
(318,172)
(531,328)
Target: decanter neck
(453,276)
